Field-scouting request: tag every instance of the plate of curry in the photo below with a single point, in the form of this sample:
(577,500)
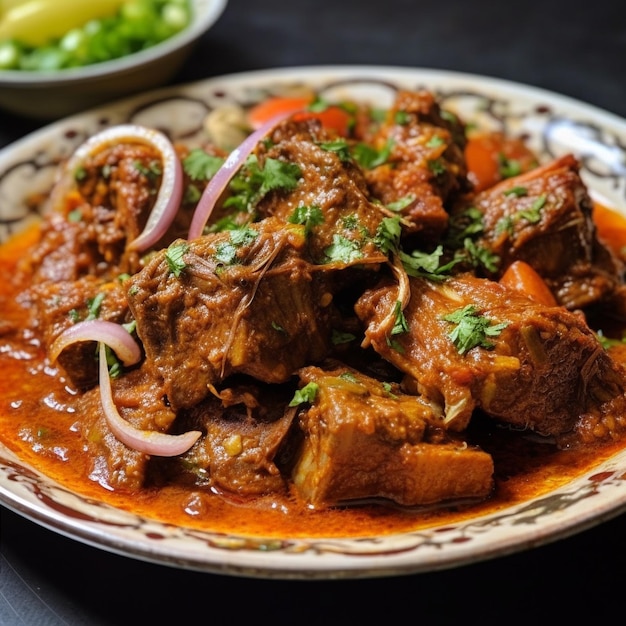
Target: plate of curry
(322,322)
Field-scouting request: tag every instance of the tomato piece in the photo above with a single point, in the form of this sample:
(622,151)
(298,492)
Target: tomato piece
(521,277)
(332,117)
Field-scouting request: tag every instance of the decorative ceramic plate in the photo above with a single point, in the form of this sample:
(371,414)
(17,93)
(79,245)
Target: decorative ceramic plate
(554,125)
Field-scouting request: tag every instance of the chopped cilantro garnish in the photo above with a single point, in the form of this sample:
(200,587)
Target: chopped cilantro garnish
(401,118)
(226,251)
(478,256)
(400,325)
(199,165)
(305,395)
(151,171)
(508,167)
(368,157)
(253,182)
(339,147)
(437,167)
(349,376)
(343,250)
(533,214)
(427,264)
(339,338)
(308,216)
(93,306)
(435,141)
(401,203)
(517,191)
(472,329)
(174,257)
(387,238)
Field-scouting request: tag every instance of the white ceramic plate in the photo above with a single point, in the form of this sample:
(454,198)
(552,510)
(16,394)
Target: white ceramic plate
(554,125)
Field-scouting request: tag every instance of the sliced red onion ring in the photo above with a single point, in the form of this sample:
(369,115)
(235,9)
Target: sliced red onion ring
(114,335)
(171,189)
(147,441)
(222,177)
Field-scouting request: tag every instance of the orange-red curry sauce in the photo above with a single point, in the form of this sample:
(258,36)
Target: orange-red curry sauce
(37,423)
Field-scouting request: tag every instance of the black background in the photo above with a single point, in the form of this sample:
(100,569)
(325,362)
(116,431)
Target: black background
(576,49)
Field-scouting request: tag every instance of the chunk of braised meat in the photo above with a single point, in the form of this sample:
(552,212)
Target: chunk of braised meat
(244,302)
(542,370)
(328,183)
(140,400)
(55,306)
(367,439)
(425,166)
(545,218)
(86,229)
(245,444)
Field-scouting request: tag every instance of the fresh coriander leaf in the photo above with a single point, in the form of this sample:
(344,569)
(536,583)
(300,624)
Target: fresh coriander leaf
(400,325)
(427,264)
(93,306)
(339,147)
(508,167)
(243,236)
(339,338)
(517,191)
(401,203)
(349,376)
(279,175)
(306,395)
(504,225)
(436,166)
(468,223)
(343,250)
(401,118)
(308,216)
(199,165)
(472,329)
(226,253)
(174,257)
(388,387)
(368,157)
(479,256)
(533,214)
(435,141)
(387,238)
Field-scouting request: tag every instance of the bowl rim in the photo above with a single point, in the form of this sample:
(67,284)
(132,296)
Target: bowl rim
(205,14)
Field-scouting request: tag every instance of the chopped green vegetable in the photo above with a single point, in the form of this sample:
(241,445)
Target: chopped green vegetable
(174,258)
(133,26)
(472,329)
(199,165)
(308,216)
(305,395)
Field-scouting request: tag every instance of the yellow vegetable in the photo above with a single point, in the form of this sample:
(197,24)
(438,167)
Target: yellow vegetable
(37,22)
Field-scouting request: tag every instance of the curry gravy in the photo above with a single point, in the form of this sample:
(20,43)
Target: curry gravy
(38,423)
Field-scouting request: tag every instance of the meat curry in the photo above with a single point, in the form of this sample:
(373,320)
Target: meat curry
(352,323)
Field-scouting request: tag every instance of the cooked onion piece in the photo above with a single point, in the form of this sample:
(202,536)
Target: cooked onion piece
(146,441)
(171,189)
(114,335)
(222,177)
(127,350)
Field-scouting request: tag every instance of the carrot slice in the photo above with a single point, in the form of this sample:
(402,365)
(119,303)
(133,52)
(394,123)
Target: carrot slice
(611,227)
(482,162)
(520,276)
(485,153)
(332,117)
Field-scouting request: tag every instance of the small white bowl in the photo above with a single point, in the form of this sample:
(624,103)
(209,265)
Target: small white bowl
(55,94)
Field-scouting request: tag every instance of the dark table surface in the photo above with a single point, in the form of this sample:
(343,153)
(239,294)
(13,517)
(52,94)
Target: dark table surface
(577,49)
